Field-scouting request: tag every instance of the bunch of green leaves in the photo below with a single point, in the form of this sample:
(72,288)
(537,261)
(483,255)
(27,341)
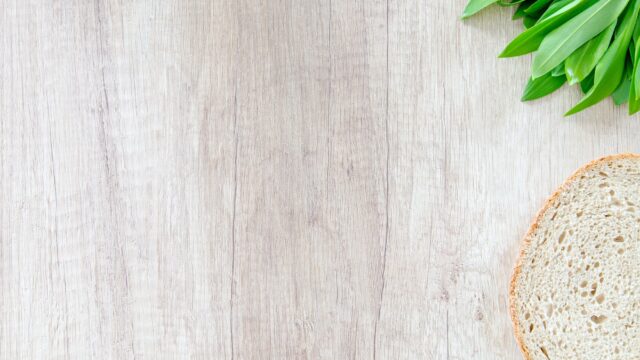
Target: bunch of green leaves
(593,43)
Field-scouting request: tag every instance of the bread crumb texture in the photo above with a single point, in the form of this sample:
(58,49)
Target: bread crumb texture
(575,292)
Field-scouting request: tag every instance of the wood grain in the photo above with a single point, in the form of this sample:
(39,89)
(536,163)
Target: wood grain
(258,179)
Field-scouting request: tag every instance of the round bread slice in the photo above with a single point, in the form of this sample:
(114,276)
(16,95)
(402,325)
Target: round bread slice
(575,291)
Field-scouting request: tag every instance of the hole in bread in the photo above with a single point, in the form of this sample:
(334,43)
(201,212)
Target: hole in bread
(549,310)
(618,239)
(600,298)
(527,316)
(603,174)
(562,236)
(620,251)
(611,192)
(596,265)
(569,248)
(579,213)
(544,352)
(598,319)
(531,328)
(603,185)
(584,284)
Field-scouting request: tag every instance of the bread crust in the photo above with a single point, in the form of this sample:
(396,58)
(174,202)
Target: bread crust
(527,240)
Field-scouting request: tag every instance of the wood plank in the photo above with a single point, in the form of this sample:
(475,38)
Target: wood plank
(258,179)
(116,172)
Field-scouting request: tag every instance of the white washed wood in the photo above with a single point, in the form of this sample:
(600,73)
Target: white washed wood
(270,179)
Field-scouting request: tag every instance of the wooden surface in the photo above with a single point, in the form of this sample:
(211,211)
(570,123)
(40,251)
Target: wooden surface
(315,179)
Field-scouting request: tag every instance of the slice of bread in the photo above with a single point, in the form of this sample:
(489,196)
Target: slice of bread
(575,291)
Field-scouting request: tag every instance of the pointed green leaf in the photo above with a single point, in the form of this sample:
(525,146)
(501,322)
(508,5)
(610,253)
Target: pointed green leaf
(587,83)
(580,64)
(621,95)
(563,41)
(537,6)
(475,6)
(519,14)
(521,8)
(531,39)
(528,21)
(634,98)
(634,102)
(610,68)
(557,5)
(511,3)
(636,34)
(636,60)
(542,86)
(558,71)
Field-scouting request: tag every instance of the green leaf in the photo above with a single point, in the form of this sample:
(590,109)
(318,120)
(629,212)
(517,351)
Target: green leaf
(636,33)
(557,5)
(528,21)
(636,60)
(587,83)
(475,6)
(634,98)
(519,14)
(506,3)
(579,64)
(563,41)
(634,102)
(558,71)
(521,8)
(609,70)
(542,86)
(537,6)
(621,95)
(531,39)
